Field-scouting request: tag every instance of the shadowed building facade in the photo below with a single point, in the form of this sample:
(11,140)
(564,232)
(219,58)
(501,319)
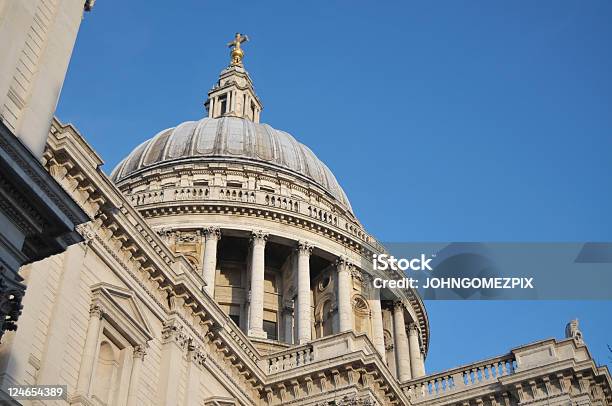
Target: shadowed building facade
(37,217)
(224,265)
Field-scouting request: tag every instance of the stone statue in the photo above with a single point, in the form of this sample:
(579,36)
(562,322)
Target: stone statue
(572,331)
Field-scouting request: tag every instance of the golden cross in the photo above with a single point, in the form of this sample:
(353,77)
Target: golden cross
(237,52)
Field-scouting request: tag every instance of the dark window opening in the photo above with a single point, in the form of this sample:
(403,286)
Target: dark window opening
(266,189)
(223,101)
(235,318)
(270,329)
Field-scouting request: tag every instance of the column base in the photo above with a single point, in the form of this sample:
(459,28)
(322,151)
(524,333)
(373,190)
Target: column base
(257,333)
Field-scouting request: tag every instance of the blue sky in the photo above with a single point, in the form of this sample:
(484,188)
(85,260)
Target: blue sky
(443,120)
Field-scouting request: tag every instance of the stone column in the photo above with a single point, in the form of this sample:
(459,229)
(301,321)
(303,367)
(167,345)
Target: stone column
(137,360)
(345,311)
(258,246)
(209,263)
(288,321)
(89,352)
(402,355)
(378,335)
(416,363)
(211,105)
(304,324)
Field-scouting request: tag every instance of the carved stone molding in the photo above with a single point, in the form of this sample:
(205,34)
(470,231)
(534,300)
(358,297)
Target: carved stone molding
(360,276)
(87,231)
(187,237)
(172,331)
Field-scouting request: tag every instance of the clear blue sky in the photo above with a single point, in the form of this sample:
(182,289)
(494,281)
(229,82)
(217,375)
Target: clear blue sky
(443,120)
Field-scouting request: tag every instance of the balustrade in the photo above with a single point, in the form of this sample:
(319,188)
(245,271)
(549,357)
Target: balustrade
(294,358)
(441,384)
(189,193)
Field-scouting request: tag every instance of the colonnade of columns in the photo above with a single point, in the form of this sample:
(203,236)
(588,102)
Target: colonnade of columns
(409,360)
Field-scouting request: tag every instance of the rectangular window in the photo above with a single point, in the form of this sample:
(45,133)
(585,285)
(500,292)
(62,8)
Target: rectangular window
(235,318)
(270,329)
(223,101)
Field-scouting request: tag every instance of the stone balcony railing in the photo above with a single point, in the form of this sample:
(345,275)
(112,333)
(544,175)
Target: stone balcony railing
(321,349)
(259,197)
(288,359)
(459,379)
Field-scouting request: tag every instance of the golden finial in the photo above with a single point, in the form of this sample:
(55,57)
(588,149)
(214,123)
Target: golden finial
(237,52)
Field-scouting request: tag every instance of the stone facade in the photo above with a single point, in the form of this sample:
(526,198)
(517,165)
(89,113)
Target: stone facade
(37,217)
(238,275)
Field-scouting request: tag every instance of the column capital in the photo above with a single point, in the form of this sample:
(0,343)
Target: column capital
(304,247)
(212,233)
(398,304)
(259,237)
(344,263)
(412,328)
(174,332)
(140,350)
(96,310)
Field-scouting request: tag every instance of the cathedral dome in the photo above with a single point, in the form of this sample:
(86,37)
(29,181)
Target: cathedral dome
(233,139)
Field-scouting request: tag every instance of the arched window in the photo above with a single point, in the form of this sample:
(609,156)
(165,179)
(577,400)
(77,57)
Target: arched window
(324,318)
(361,311)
